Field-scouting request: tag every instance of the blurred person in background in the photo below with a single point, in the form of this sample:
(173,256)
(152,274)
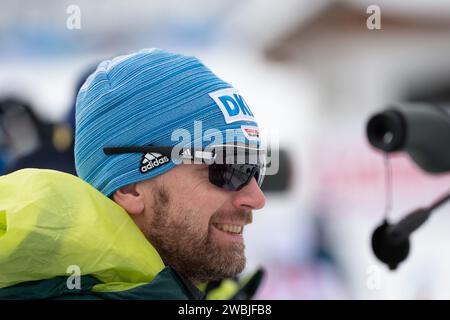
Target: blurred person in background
(22,130)
(50,145)
(41,144)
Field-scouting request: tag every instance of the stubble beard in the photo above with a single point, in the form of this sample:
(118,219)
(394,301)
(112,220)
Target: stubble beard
(189,250)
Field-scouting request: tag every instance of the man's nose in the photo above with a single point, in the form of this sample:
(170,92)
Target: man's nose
(249,197)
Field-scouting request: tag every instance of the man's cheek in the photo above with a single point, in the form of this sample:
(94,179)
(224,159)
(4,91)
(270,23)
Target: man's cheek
(200,188)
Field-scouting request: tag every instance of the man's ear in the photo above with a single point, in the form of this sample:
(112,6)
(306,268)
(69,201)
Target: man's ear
(130,199)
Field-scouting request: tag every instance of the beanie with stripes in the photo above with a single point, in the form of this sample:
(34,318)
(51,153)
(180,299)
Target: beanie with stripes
(146,98)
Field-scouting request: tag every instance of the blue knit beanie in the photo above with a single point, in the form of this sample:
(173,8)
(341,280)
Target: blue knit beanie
(144,98)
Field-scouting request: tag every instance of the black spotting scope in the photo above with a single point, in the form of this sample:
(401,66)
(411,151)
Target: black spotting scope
(423,131)
(419,129)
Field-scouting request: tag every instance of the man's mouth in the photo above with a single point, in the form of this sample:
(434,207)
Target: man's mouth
(230,228)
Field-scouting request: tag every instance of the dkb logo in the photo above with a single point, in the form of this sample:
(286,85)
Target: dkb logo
(232,105)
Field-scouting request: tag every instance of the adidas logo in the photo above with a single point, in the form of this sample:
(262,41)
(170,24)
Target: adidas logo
(152,160)
(198,155)
(186,154)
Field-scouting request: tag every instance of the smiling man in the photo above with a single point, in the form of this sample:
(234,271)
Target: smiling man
(143,123)
(195,226)
(172,167)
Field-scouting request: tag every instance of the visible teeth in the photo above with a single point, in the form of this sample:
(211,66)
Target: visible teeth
(229,228)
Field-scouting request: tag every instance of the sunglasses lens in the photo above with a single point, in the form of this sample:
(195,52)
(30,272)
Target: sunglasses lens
(233,177)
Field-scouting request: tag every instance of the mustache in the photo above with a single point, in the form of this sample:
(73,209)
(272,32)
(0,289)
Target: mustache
(238,216)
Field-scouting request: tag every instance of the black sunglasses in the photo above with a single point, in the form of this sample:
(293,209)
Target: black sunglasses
(231,167)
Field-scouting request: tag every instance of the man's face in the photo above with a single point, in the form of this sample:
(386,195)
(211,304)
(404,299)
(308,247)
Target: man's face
(196,226)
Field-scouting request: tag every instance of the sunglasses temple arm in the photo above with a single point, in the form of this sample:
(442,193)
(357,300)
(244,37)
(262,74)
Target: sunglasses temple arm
(122,150)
